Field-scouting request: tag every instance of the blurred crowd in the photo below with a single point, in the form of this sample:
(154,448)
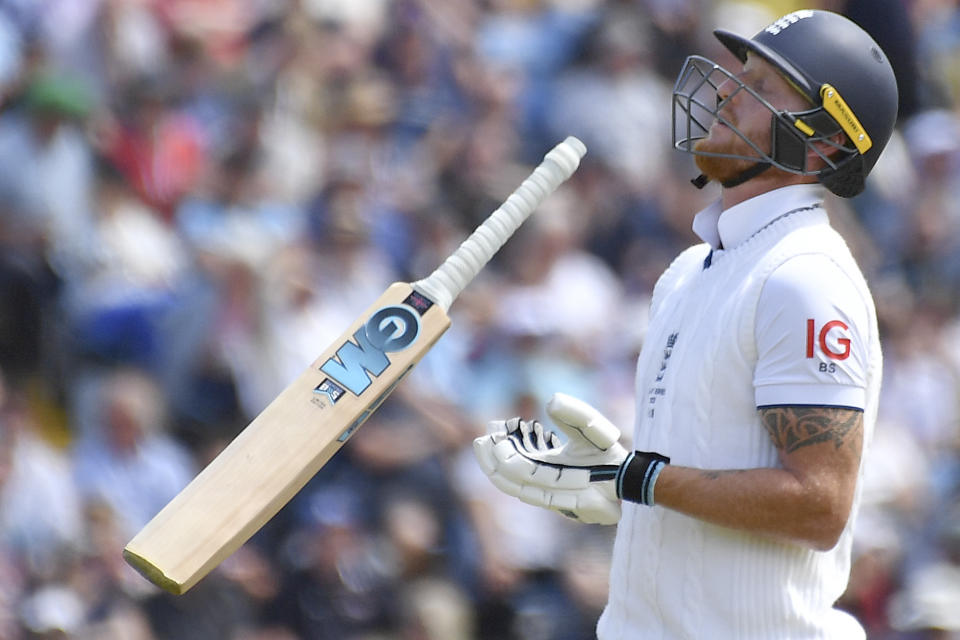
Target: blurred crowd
(198,196)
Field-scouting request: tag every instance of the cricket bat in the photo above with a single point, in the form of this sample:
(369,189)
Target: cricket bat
(297,433)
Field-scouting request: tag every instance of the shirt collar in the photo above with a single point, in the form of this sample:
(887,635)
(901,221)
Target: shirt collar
(731,227)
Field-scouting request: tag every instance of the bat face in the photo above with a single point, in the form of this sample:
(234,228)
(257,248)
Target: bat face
(285,446)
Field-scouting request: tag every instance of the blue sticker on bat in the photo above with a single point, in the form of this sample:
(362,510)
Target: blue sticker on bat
(389,329)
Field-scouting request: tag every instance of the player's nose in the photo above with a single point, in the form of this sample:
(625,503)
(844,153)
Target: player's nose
(726,96)
(725,91)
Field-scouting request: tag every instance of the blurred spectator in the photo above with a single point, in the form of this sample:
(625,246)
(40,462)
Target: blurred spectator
(235,218)
(340,583)
(46,219)
(156,145)
(238,233)
(930,260)
(115,312)
(135,40)
(53,611)
(920,383)
(46,170)
(616,103)
(128,461)
(514,545)
(929,603)
(562,320)
(938,40)
(11,57)
(531,42)
(40,512)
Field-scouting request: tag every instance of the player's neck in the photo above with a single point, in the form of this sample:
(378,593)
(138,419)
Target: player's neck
(759,185)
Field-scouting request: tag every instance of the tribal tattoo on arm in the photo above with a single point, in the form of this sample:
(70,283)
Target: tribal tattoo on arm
(794,427)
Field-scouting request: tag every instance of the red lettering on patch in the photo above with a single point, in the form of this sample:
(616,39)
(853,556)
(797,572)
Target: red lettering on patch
(821,340)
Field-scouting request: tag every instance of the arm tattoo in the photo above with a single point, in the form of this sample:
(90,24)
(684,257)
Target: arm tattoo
(794,427)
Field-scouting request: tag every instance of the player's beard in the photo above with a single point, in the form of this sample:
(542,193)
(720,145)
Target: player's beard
(723,169)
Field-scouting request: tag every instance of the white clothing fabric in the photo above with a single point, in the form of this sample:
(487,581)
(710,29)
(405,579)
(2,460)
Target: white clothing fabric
(724,340)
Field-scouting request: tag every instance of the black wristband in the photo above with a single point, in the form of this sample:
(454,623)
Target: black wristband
(638,475)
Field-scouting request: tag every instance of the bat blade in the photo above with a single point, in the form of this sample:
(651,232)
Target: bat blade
(288,442)
(285,446)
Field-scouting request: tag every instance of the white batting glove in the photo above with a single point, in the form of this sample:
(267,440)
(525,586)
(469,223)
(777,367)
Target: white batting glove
(575,475)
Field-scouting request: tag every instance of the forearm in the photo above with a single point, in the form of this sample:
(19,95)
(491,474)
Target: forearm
(772,502)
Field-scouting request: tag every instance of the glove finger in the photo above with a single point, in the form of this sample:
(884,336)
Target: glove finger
(555,441)
(510,463)
(535,495)
(483,452)
(502,429)
(539,440)
(563,478)
(523,437)
(506,486)
(547,439)
(564,501)
(580,421)
(585,506)
(499,429)
(594,508)
(561,501)
(515,464)
(572,505)
(531,437)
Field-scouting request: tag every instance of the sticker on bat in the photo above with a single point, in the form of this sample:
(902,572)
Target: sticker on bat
(390,329)
(327,393)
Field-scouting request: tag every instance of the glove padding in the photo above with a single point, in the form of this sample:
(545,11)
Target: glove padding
(572,475)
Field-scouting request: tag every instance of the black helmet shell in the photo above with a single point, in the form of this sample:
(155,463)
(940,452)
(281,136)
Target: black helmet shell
(812,48)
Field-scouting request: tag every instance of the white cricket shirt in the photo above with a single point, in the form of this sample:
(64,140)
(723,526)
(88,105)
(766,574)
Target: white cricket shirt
(782,315)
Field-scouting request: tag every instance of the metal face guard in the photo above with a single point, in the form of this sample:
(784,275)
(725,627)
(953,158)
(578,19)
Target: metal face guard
(697,106)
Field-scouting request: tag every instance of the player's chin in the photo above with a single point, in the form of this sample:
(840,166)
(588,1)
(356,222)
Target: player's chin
(719,169)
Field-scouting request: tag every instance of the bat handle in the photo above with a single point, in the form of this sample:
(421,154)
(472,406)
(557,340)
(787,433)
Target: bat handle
(448,280)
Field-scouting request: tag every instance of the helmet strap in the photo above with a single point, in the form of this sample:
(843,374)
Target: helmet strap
(701,180)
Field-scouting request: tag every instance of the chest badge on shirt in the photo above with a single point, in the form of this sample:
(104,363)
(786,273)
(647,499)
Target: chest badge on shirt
(659,390)
(829,341)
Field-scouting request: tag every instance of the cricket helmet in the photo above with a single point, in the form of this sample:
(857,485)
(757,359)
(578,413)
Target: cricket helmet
(841,70)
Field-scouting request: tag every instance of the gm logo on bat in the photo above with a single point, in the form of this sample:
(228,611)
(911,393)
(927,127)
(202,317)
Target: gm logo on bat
(390,329)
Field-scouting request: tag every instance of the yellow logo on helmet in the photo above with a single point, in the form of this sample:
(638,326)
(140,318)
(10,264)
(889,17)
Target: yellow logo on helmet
(843,114)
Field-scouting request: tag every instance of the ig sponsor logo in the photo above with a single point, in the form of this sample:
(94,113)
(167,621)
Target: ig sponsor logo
(827,342)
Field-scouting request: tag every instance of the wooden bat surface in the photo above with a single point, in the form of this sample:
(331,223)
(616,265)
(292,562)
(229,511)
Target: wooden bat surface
(284,446)
(298,432)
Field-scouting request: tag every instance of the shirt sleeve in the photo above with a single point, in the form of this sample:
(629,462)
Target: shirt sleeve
(812,335)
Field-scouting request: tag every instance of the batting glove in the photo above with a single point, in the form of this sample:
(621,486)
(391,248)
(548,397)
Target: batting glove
(582,475)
